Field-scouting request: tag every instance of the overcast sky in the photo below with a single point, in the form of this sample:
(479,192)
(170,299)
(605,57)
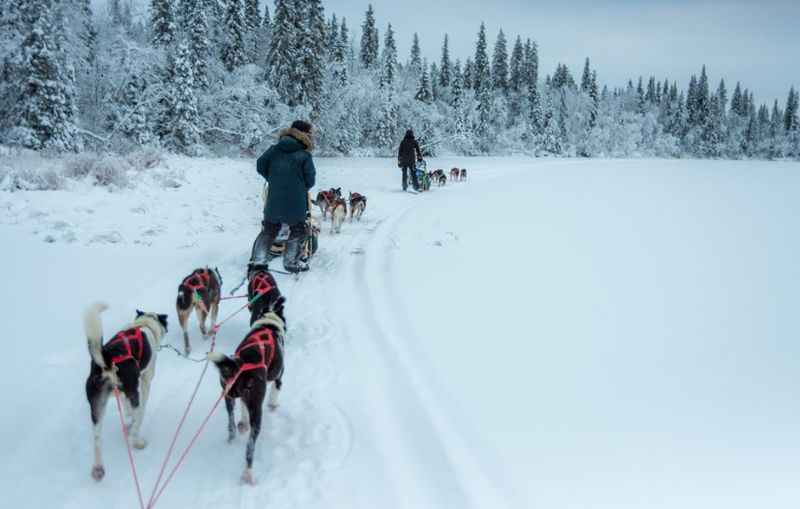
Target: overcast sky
(755,42)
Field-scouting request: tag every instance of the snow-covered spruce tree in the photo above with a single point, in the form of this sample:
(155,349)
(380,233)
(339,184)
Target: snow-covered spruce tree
(332,33)
(424,93)
(387,128)
(233,49)
(285,52)
(586,78)
(415,58)
(703,98)
(713,130)
(595,99)
(790,113)
(722,96)
(500,64)
(389,60)
(252,24)
(182,122)
(263,38)
(199,43)
(445,67)
(47,103)
(162,23)
(313,47)
(339,56)
(517,83)
(369,40)
(434,73)
(481,82)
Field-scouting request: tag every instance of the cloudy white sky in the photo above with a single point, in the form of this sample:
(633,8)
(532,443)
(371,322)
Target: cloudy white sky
(755,42)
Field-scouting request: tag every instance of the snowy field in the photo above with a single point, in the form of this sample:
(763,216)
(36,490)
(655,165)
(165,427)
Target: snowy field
(551,334)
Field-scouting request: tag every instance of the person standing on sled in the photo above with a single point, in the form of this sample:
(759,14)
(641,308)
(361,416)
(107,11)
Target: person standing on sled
(289,169)
(407,155)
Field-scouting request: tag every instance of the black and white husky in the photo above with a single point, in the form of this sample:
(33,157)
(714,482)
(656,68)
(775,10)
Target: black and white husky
(126,362)
(257,362)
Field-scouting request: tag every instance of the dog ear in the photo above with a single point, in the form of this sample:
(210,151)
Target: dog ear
(139,313)
(162,319)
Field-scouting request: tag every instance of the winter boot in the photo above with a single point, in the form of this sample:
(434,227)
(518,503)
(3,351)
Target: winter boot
(291,257)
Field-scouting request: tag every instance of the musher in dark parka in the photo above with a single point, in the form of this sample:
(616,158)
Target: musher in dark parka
(289,169)
(407,155)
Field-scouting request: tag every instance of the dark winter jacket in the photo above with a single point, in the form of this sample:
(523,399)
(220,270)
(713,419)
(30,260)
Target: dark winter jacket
(289,169)
(409,151)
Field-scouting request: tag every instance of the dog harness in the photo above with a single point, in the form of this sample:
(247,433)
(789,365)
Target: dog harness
(198,280)
(261,338)
(261,284)
(125,337)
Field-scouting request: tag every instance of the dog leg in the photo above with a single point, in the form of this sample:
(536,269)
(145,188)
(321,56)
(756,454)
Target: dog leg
(230,403)
(98,411)
(255,429)
(244,423)
(132,393)
(214,313)
(201,320)
(183,318)
(274,393)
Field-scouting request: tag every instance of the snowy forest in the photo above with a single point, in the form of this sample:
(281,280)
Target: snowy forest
(221,77)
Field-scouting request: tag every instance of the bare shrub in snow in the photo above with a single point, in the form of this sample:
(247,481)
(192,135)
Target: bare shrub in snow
(101,170)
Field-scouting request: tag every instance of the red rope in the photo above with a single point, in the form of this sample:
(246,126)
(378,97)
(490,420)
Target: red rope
(128,445)
(183,455)
(156,494)
(234,297)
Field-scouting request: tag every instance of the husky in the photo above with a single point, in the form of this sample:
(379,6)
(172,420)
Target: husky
(200,291)
(126,362)
(463,175)
(454,173)
(258,361)
(261,283)
(338,214)
(326,199)
(358,203)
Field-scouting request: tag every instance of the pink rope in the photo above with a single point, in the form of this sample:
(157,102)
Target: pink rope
(128,446)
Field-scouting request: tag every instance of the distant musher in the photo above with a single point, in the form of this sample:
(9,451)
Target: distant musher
(407,156)
(289,169)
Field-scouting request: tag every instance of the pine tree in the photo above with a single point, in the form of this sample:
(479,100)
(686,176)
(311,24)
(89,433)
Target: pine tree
(722,96)
(415,60)
(531,53)
(517,67)
(369,40)
(162,23)
(469,72)
(252,23)
(284,52)
(183,116)
(424,93)
(389,64)
(481,75)
(790,114)
(650,95)
(640,97)
(736,100)
(586,78)
(594,96)
(483,85)
(500,64)
(445,67)
(434,77)
(313,44)
(703,99)
(48,99)
(333,35)
(199,45)
(233,50)
(692,102)
(340,54)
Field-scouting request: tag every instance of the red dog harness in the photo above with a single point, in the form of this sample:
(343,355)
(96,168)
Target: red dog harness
(261,284)
(198,280)
(125,337)
(260,338)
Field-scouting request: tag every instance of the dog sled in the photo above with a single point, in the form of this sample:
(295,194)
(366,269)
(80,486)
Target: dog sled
(423,178)
(308,247)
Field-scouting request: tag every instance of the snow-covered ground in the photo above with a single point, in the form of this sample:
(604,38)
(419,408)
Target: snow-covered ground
(551,333)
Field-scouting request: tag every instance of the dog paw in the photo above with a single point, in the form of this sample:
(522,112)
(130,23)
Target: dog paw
(231,438)
(98,472)
(247,477)
(139,443)
(243,427)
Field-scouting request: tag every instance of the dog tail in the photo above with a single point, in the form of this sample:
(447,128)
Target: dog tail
(93,328)
(185,298)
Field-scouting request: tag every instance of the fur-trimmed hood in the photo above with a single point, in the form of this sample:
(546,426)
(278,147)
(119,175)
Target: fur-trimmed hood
(298,135)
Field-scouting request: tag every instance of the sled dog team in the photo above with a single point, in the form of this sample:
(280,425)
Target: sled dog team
(127,361)
(439,177)
(331,201)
